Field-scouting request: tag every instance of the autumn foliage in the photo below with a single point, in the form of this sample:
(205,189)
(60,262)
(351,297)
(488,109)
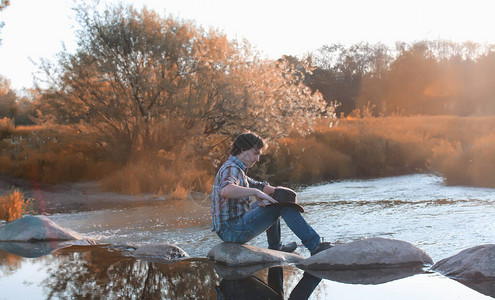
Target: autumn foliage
(161,99)
(137,74)
(151,104)
(438,77)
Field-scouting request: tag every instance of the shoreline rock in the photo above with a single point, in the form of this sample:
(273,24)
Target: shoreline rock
(36,229)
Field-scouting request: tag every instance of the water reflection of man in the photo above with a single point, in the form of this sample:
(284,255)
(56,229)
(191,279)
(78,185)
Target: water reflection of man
(235,220)
(254,288)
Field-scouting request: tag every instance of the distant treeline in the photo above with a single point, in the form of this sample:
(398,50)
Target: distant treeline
(428,77)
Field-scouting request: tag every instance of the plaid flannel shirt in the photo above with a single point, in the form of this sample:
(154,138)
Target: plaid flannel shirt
(233,171)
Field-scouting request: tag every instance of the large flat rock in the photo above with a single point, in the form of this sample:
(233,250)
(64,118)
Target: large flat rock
(242,255)
(34,229)
(369,253)
(473,263)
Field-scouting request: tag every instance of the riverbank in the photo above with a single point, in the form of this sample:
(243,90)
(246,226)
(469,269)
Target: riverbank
(89,196)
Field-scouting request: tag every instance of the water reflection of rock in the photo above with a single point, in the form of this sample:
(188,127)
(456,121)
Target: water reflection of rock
(473,267)
(26,249)
(110,272)
(98,272)
(486,287)
(247,288)
(368,276)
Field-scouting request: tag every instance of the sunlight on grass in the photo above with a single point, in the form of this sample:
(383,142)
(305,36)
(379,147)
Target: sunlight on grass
(174,175)
(14,204)
(461,149)
(180,193)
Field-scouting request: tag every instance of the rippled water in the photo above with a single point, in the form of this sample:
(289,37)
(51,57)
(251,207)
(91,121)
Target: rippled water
(420,209)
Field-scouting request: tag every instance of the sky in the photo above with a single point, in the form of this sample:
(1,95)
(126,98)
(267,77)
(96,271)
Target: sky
(36,29)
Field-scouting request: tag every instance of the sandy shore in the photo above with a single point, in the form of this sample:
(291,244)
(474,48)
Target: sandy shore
(85,196)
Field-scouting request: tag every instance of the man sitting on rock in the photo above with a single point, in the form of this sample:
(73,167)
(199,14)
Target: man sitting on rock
(236,221)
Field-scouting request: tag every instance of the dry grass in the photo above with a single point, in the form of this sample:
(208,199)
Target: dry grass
(180,192)
(462,149)
(470,164)
(57,154)
(52,155)
(175,174)
(14,204)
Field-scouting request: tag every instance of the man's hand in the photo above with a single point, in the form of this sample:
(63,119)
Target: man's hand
(268,189)
(233,191)
(264,199)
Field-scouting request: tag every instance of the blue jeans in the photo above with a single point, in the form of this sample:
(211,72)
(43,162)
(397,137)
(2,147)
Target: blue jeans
(246,227)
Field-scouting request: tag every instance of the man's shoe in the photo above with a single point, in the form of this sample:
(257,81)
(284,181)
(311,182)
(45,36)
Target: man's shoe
(322,246)
(290,247)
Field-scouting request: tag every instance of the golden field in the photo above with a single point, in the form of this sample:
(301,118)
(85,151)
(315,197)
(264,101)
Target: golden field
(461,149)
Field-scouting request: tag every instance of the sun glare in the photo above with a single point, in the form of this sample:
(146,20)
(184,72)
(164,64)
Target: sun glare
(274,27)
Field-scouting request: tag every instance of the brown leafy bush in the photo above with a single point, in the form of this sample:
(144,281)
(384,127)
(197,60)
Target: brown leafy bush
(7,128)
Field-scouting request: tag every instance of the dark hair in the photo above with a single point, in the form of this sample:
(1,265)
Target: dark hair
(246,141)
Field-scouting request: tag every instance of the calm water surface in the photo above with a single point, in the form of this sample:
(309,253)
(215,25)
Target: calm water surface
(419,209)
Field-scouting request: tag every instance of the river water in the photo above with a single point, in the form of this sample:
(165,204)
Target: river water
(420,209)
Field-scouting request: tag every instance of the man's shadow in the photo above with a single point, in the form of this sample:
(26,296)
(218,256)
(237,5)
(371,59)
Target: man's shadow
(254,288)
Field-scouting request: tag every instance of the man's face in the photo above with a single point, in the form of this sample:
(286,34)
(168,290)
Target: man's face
(250,157)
